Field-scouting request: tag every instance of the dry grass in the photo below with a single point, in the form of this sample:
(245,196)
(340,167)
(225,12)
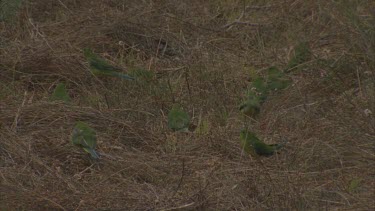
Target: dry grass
(206,67)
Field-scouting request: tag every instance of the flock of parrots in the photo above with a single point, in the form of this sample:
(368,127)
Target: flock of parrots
(84,136)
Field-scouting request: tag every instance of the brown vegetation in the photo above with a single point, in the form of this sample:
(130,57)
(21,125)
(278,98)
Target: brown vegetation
(202,54)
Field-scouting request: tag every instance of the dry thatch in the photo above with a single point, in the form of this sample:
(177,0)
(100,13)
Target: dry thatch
(202,55)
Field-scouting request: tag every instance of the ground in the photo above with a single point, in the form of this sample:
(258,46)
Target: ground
(204,56)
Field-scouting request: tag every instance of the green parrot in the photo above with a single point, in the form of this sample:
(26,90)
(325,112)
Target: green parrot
(99,66)
(60,93)
(254,146)
(85,137)
(251,106)
(178,119)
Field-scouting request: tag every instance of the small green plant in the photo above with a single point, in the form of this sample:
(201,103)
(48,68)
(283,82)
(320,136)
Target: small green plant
(178,119)
(203,127)
(354,184)
(60,93)
(223,115)
(302,54)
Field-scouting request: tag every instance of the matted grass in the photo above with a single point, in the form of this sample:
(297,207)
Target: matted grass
(204,56)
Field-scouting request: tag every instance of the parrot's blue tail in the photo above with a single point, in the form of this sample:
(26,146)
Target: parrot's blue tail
(124,76)
(94,154)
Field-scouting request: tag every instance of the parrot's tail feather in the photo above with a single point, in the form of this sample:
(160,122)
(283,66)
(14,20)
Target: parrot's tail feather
(284,141)
(124,76)
(276,146)
(92,152)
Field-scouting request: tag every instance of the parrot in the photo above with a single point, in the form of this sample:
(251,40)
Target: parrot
(85,137)
(251,106)
(60,93)
(253,145)
(178,119)
(99,66)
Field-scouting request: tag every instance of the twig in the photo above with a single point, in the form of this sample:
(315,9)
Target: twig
(179,207)
(181,178)
(188,84)
(242,23)
(171,90)
(260,7)
(53,202)
(86,169)
(15,122)
(65,6)
(359,84)
(239,22)
(39,33)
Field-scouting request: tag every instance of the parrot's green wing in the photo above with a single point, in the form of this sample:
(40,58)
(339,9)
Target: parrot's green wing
(178,119)
(85,137)
(261,88)
(277,80)
(246,139)
(252,144)
(263,149)
(99,66)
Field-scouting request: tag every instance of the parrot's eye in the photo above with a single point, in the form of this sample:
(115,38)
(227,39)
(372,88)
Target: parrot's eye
(76,131)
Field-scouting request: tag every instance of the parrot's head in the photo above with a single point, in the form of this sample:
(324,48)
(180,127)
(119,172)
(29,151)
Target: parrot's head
(76,134)
(245,134)
(78,128)
(76,131)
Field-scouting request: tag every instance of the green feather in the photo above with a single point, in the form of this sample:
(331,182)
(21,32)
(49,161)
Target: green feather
(99,66)
(178,119)
(60,93)
(277,80)
(85,137)
(253,145)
